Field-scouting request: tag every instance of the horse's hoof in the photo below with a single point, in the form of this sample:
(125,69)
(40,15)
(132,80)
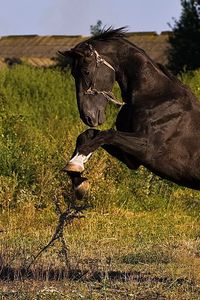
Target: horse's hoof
(76,164)
(81,187)
(73,167)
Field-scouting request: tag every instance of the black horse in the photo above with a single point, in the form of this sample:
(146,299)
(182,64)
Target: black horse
(157,127)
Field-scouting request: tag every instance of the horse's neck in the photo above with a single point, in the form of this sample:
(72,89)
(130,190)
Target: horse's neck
(138,77)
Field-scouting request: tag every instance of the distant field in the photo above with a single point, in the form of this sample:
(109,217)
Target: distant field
(139,240)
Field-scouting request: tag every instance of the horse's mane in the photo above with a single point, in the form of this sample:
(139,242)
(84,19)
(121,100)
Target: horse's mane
(109,34)
(120,33)
(169,74)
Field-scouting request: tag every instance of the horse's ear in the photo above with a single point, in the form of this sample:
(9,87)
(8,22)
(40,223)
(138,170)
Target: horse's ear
(71,53)
(64,53)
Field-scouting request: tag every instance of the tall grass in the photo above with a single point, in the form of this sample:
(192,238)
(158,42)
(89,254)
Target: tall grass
(38,122)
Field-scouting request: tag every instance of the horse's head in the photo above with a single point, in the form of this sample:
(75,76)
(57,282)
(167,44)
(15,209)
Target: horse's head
(94,78)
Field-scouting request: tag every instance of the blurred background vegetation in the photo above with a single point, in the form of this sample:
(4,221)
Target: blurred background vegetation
(184,51)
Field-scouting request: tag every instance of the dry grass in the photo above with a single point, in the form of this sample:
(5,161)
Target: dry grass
(117,254)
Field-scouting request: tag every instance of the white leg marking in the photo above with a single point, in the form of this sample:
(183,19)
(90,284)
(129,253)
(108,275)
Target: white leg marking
(79,160)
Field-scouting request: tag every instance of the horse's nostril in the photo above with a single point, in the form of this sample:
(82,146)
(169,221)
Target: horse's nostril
(89,120)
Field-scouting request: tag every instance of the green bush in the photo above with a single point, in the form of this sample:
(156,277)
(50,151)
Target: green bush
(184,51)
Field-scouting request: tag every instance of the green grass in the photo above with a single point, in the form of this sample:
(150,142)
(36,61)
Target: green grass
(140,239)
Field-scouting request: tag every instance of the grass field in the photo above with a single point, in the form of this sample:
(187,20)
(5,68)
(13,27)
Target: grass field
(139,240)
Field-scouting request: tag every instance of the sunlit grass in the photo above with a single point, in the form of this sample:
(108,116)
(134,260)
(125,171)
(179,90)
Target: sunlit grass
(153,251)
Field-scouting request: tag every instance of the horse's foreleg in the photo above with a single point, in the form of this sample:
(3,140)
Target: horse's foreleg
(92,139)
(80,184)
(115,142)
(76,163)
(129,160)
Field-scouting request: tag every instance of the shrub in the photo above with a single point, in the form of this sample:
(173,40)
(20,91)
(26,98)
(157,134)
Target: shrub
(184,53)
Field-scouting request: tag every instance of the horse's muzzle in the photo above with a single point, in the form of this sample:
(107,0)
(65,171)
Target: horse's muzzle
(94,120)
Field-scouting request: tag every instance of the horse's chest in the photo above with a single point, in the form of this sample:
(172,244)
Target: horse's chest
(131,120)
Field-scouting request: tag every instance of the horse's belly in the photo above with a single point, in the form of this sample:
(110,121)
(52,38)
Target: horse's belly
(179,163)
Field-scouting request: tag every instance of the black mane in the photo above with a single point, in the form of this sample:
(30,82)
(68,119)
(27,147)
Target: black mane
(110,34)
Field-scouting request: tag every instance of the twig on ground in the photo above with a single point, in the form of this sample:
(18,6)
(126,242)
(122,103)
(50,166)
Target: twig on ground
(72,212)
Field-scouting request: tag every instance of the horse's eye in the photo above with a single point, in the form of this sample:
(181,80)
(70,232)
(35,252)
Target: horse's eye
(86,73)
